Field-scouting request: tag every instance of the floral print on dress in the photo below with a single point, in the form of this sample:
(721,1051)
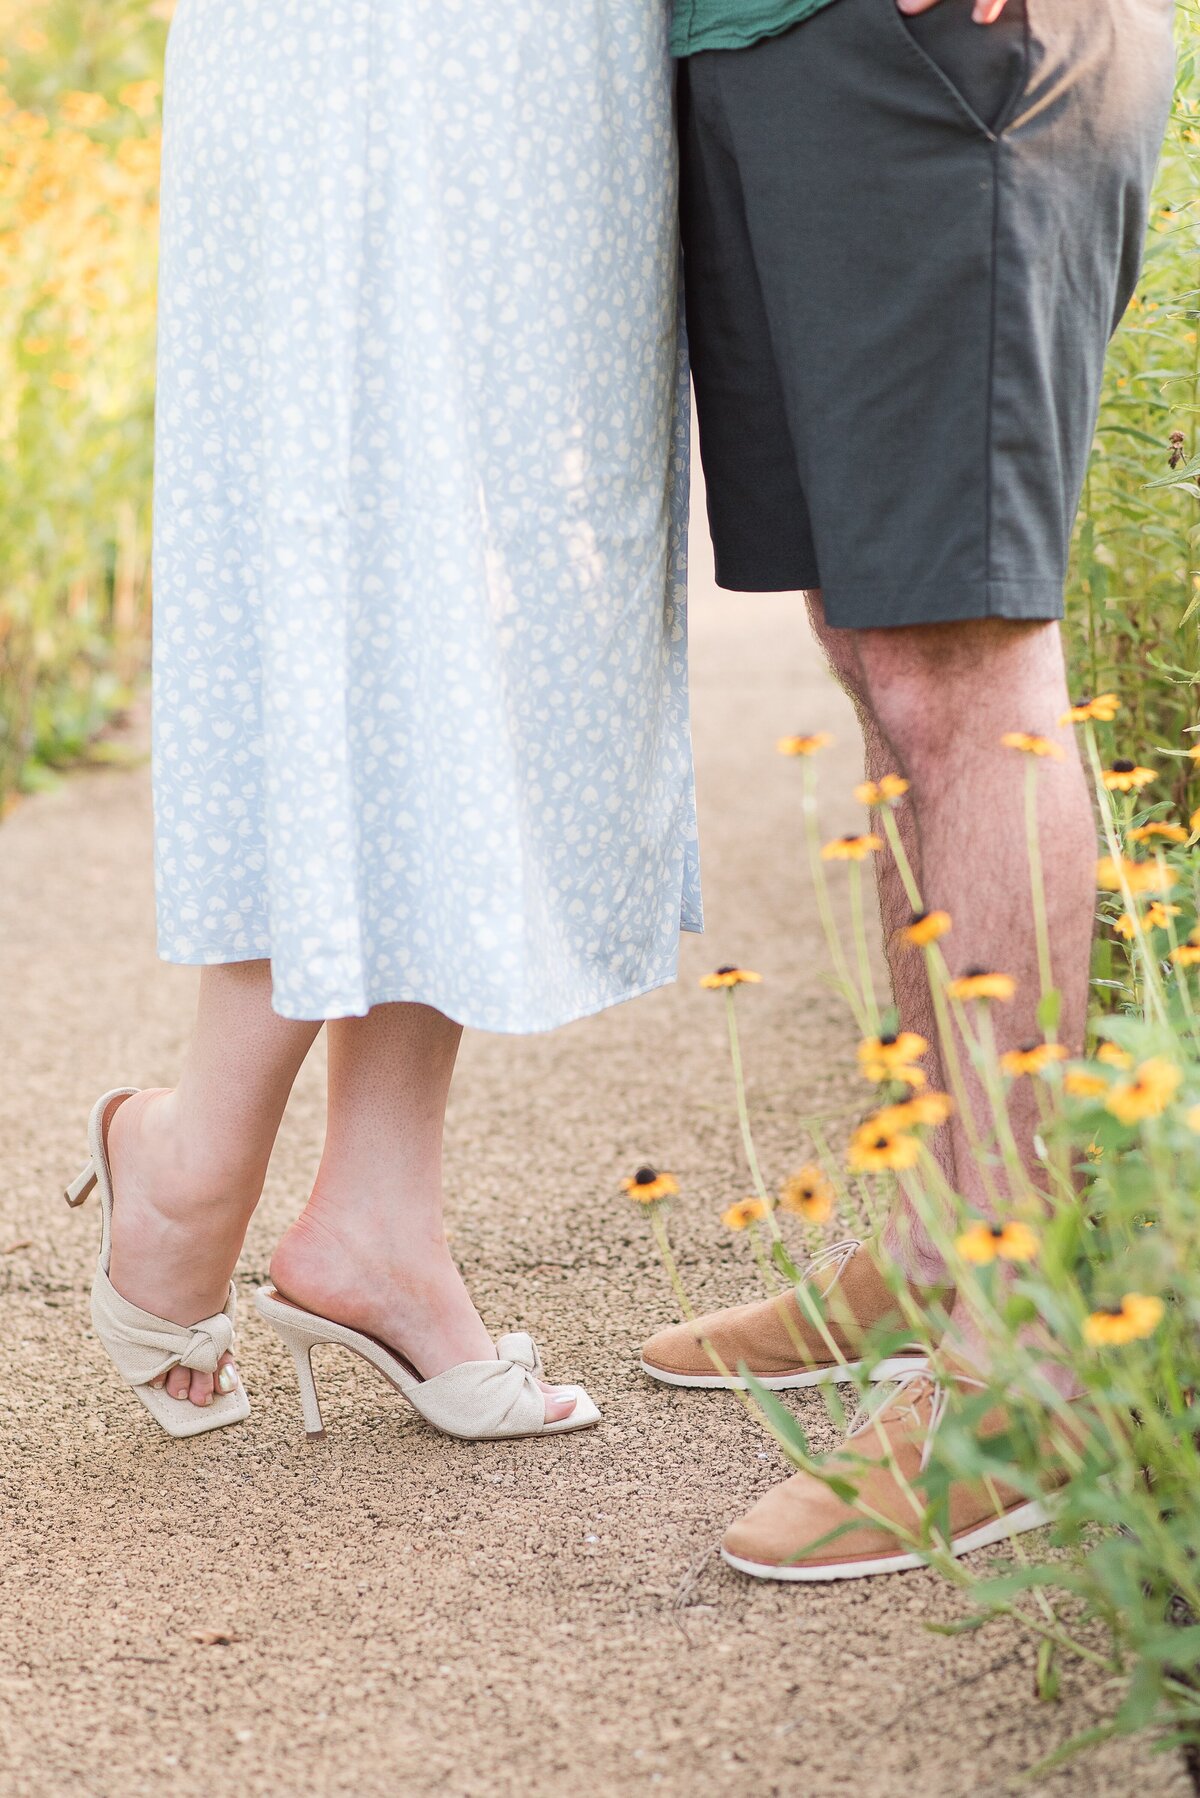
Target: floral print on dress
(420,684)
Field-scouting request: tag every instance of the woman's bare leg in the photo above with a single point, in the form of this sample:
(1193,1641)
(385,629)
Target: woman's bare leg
(188,1164)
(369,1249)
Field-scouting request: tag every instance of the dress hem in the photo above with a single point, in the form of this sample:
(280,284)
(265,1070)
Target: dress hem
(457,1015)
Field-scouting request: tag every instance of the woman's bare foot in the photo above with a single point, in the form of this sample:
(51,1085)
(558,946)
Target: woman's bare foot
(336,1261)
(177,1230)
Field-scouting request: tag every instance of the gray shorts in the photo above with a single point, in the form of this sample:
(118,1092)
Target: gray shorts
(907,244)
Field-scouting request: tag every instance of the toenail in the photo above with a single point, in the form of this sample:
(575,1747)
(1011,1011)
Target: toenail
(227,1379)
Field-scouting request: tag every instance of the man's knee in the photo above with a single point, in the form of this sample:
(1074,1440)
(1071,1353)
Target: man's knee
(932,686)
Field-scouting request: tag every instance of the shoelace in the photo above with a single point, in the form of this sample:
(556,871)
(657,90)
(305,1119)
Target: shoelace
(838,1256)
(904,1397)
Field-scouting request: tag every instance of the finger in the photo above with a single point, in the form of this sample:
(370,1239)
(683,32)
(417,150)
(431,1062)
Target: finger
(915,6)
(988,11)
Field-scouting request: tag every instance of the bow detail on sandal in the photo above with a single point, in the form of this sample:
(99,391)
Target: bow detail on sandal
(481,1401)
(140,1345)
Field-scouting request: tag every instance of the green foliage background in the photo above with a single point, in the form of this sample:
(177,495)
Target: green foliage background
(77,228)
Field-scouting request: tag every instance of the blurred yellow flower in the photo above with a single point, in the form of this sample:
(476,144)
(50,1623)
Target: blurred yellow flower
(1029,744)
(1082,1084)
(1127,777)
(1113,1056)
(1192,1119)
(809,1194)
(924,1109)
(1139,877)
(984,1243)
(890,1057)
(83,109)
(746,1211)
(875,1149)
(978,983)
(1187,955)
(1147,1093)
(140,97)
(820,739)
(925,927)
(1168,833)
(882,792)
(851,849)
(648,1186)
(1034,1058)
(725,977)
(1136,1317)
(1101,710)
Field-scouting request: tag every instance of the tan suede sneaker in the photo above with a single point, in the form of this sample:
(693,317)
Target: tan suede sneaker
(801,1530)
(777,1341)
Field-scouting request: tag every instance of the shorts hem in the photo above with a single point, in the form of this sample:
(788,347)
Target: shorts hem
(761,578)
(1029,602)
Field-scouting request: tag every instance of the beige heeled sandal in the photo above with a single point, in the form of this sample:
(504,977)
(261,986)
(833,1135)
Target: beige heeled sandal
(479,1401)
(140,1345)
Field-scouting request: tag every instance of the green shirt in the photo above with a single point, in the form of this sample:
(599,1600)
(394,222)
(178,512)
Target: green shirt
(733,24)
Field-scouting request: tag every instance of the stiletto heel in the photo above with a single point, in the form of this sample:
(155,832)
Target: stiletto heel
(480,1401)
(143,1347)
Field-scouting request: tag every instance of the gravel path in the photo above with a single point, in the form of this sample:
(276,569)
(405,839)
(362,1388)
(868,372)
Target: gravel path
(393,1613)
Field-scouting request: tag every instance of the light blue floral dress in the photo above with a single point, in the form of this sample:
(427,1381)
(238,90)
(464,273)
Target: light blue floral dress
(421,725)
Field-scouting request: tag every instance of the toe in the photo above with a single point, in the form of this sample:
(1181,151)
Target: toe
(178,1381)
(201,1392)
(558,1405)
(227,1375)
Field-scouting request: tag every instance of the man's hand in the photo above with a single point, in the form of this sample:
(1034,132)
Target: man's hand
(986,11)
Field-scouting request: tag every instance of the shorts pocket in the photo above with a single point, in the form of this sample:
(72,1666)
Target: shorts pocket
(985,68)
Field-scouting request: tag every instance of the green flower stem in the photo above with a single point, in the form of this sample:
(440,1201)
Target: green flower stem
(993,1081)
(891,831)
(865,977)
(1038,885)
(1140,950)
(812,832)
(658,1224)
(739,1082)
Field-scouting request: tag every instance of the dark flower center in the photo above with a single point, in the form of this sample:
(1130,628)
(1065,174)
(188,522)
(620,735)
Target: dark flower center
(726,970)
(882,1142)
(645,1176)
(888,1041)
(977,974)
(1123,767)
(918,917)
(1112,1310)
(1030,1048)
(997,1231)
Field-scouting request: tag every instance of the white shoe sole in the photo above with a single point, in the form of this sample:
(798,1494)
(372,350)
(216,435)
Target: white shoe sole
(838,1375)
(1025,1517)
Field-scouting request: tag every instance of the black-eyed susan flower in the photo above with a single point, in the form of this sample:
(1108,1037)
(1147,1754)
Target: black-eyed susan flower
(1127,777)
(1101,710)
(744,1213)
(891,1057)
(809,1194)
(1192,1119)
(881,792)
(1139,877)
(1146,1093)
(924,1109)
(876,1149)
(726,977)
(1187,955)
(1136,1317)
(810,745)
(984,1243)
(649,1187)
(1082,1083)
(1034,1058)
(1113,1056)
(978,983)
(851,849)
(1156,916)
(925,927)
(1030,744)
(1161,832)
